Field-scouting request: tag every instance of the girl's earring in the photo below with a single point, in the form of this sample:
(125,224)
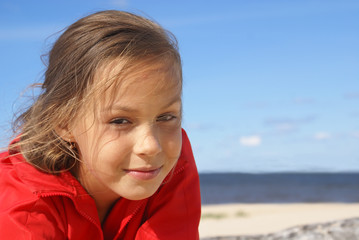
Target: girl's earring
(72,145)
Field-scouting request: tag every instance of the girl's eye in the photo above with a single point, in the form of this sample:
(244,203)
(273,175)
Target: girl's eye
(120,121)
(166,118)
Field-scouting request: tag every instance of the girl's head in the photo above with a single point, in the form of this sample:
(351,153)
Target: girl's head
(110,103)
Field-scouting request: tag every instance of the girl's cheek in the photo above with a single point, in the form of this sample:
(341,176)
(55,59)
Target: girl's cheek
(174,142)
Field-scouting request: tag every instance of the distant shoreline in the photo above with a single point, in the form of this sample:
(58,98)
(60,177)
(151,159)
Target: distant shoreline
(220,188)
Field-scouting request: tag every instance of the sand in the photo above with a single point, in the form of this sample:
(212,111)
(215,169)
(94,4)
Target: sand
(251,219)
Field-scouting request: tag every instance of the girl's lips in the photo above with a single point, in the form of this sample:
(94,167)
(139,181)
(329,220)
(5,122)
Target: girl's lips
(143,174)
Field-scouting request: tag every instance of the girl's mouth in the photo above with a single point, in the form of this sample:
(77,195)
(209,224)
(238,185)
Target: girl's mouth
(143,174)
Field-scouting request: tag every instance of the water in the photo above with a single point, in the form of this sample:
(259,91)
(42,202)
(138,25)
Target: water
(279,188)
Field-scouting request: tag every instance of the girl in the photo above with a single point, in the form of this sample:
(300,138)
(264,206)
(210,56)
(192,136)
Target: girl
(101,153)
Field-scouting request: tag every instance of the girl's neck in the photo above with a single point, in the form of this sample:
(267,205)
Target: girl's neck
(103,211)
(104,200)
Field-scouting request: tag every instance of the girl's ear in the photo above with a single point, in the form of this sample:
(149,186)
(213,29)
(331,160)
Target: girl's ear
(65,134)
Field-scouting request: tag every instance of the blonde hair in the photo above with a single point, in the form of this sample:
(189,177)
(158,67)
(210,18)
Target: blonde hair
(84,47)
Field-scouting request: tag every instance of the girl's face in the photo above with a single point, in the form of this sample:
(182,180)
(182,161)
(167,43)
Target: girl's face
(134,140)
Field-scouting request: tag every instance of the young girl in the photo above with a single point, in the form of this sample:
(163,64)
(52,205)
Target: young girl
(101,153)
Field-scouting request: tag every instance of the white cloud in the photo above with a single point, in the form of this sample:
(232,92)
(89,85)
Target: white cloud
(351,95)
(287,125)
(250,141)
(301,100)
(355,134)
(322,136)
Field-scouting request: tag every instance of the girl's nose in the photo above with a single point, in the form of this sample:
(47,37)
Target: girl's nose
(147,143)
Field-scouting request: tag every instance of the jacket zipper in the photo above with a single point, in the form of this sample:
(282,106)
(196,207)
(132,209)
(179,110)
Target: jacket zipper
(85,215)
(129,219)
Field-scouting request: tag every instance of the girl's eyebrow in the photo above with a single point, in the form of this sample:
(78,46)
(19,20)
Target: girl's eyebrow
(124,108)
(173,101)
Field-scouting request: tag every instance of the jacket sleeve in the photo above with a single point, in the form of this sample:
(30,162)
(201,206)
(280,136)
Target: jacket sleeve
(29,222)
(174,211)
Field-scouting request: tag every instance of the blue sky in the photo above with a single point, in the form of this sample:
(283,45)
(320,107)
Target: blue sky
(269,85)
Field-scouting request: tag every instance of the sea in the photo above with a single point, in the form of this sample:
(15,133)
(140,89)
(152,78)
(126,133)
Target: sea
(218,188)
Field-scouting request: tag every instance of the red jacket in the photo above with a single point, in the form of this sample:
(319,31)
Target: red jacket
(36,205)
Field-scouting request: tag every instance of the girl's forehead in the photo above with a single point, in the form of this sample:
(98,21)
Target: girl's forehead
(142,78)
(126,72)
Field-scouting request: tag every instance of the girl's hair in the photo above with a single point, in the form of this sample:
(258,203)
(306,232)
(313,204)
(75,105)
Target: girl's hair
(83,48)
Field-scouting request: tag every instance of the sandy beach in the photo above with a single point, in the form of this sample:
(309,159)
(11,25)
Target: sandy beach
(250,219)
